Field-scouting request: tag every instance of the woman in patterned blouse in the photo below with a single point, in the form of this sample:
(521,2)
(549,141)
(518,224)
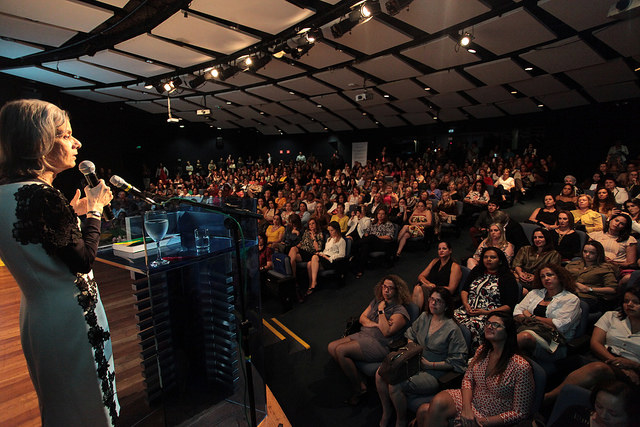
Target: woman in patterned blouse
(379,237)
(497,389)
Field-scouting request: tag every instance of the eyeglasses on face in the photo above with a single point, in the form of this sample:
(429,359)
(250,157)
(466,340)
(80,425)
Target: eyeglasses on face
(494,325)
(388,288)
(436,300)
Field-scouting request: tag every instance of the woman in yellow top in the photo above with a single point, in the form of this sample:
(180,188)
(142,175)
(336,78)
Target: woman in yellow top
(275,232)
(341,218)
(584,215)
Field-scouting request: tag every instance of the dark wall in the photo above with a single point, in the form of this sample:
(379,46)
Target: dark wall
(122,138)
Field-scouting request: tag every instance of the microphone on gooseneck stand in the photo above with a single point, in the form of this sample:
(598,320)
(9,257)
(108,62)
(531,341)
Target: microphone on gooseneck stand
(88,169)
(120,183)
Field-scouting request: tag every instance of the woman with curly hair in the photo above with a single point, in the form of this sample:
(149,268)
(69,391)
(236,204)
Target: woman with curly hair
(384,320)
(605,202)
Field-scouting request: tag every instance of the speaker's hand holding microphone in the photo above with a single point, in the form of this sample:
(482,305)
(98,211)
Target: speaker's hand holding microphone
(98,194)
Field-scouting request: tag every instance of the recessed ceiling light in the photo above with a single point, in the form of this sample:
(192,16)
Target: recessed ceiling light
(148,61)
(319,106)
(148,86)
(427,88)
(385,95)
(529,69)
(364,114)
(435,117)
(262,112)
(291,93)
(181,126)
(219,128)
(513,92)
(472,50)
(228,102)
(540,105)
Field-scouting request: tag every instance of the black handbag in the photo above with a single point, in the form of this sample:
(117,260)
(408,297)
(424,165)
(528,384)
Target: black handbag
(402,364)
(353,326)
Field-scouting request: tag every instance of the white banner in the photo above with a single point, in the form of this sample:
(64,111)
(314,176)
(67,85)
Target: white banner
(359,153)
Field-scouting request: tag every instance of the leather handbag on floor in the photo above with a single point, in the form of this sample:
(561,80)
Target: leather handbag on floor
(400,365)
(353,326)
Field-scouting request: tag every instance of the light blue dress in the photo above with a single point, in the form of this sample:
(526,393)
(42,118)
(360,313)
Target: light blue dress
(63,325)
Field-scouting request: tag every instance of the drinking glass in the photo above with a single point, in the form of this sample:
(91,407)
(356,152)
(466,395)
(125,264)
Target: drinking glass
(156,223)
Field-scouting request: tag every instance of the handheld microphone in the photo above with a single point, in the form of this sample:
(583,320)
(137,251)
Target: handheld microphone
(88,169)
(120,183)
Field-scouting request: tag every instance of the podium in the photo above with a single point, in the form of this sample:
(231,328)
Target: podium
(199,317)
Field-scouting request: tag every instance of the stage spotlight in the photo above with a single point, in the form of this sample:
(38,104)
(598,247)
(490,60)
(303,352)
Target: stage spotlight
(224,72)
(260,61)
(361,13)
(395,6)
(341,28)
(169,86)
(296,46)
(197,81)
(465,39)
(368,10)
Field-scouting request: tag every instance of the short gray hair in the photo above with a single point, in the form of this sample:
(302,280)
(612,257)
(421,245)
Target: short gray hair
(27,134)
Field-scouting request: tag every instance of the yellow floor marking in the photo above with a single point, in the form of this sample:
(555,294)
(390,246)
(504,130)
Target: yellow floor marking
(272,329)
(295,337)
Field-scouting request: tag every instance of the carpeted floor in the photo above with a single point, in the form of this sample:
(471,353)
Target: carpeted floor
(308,385)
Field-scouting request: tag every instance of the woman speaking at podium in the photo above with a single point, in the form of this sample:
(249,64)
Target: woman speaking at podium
(63,326)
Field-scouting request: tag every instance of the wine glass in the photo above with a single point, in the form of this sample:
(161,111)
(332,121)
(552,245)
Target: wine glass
(156,223)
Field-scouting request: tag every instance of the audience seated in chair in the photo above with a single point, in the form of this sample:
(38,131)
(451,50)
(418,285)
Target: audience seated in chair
(334,249)
(420,219)
(616,343)
(444,350)
(496,239)
(490,287)
(441,271)
(383,321)
(595,279)
(549,315)
(530,258)
(379,237)
(498,386)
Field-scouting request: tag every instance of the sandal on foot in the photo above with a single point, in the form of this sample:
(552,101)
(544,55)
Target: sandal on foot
(311,290)
(356,399)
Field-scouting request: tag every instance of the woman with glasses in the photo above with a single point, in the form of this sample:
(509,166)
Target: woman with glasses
(383,321)
(498,386)
(616,343)
(444,350)
(548,316)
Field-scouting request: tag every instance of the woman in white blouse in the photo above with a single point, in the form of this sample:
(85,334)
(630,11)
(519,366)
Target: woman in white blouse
(334,248)
(552,306)
(616,342)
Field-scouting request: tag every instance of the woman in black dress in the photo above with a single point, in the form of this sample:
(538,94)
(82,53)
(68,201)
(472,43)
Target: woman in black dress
(441,271)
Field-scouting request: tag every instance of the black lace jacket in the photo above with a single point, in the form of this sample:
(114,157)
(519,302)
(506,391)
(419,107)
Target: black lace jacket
(44,216)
